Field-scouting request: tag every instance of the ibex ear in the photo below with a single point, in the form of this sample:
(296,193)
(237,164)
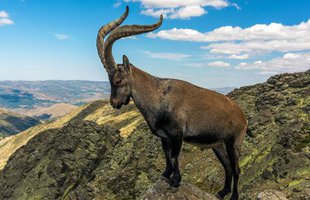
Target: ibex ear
(126,63)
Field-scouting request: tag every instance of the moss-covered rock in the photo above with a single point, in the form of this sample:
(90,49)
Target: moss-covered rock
(275,156)
(57,164)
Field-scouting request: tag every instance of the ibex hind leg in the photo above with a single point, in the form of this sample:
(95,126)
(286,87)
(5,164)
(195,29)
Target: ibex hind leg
(222,156)
(233,151)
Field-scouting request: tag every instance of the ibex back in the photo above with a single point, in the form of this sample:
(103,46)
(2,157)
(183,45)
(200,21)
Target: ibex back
(175,110)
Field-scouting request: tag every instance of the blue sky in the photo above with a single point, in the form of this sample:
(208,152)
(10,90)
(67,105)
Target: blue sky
(211,43)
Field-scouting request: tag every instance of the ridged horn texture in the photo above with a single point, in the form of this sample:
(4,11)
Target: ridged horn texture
(125,31)
(103,31)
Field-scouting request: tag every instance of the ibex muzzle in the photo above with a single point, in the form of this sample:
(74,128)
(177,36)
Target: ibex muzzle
(175,110)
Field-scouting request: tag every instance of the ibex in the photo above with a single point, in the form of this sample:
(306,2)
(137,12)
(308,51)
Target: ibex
(175,110)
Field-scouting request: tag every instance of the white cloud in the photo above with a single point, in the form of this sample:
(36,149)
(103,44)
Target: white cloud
(257,39)
(289,62)
(5,19)
(188,11)
(117,4)
(178,3)
(218,64)
(60,36)
(239,57)
(177,9)
(158,12)
(260,47)
(166,55)
(179,34)
(3,14)
(273,31)
(290,56)
(236,6)
(133,37)
(215,64)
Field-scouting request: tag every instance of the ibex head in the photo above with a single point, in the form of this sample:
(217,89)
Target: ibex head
(119,74)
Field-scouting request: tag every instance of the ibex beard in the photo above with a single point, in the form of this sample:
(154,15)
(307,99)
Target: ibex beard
(175,110)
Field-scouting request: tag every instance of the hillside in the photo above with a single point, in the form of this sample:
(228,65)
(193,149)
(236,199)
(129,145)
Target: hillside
(276,155)
(125,119)
(44,113)
(12,123)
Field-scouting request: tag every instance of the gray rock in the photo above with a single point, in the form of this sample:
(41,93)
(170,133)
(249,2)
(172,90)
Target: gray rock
(161,190)
(271,195)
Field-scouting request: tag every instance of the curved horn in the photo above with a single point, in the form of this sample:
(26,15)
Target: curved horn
(125,31)
(105,30)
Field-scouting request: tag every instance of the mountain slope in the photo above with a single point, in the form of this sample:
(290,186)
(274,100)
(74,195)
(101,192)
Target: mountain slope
(126,119)
(275,156)
(12,123)
(54,111)
(61,165)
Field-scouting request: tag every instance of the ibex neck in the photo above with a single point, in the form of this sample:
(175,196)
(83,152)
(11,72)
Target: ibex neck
(144,89)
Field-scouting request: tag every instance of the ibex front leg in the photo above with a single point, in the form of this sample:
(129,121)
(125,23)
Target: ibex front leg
(172,147)
(166,144)
(175,152)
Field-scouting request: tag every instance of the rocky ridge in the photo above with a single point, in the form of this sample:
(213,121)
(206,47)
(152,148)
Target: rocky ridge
(274,157)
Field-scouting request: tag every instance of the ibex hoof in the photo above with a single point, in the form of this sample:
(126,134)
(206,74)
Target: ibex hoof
(164,178)
(219,197)
(234,198)
(174,182)
(221,194)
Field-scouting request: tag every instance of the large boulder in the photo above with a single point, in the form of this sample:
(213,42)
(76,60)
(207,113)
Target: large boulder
(57,164)
(161,190)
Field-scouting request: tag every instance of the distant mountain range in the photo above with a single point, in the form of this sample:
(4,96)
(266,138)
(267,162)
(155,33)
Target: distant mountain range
(34,94)
(37,94)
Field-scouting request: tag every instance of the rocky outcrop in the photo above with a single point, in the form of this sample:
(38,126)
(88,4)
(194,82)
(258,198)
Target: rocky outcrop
(57,164)
(161,190)
(275,156)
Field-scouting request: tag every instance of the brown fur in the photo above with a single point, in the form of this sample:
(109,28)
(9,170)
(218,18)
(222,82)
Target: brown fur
(178,111)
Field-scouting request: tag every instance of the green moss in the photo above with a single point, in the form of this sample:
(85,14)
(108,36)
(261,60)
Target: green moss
(66,192)
(295,182)
(263,154)
(303,143)
(248,159)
